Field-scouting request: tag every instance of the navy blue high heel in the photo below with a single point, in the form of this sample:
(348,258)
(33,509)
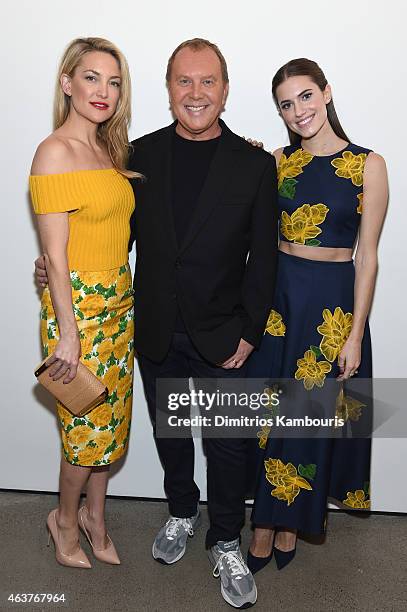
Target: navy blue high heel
(284,558)
(255,564)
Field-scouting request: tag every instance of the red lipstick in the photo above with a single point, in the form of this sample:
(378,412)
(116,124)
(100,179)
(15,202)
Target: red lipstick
(100,105)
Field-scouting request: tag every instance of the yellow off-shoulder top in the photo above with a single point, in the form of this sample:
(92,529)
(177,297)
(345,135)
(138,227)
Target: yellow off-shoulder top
(99,203)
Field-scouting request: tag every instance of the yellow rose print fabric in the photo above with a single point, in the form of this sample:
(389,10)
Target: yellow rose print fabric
(350,166)
(320,197)
(103,307)
(335,331)
(311,371)
(301,226)
(292,166)
(359,208)
(272,411)
(275,325)
(263,435)
(288,169)
(287,480)
(358,499)
(312,368)
(348,408)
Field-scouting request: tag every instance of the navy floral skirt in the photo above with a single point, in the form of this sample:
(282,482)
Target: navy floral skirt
(307,328)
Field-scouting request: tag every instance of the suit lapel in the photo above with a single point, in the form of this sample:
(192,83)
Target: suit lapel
(219,175)
(162,162)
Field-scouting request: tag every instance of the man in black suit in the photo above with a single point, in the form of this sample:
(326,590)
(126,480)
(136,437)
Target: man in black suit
(205,227)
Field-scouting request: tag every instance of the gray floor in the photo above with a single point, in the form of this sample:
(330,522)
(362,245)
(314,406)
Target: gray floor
(361,566)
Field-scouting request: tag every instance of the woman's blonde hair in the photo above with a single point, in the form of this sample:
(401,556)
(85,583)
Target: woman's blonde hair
(113,132)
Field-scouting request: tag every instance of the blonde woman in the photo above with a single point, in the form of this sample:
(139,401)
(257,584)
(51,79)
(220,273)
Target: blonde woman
(83,201)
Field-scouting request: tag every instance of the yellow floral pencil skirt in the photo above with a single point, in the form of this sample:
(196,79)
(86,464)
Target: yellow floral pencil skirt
(103,307)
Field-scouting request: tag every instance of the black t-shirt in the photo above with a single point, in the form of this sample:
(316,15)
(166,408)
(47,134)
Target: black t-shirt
(190,166)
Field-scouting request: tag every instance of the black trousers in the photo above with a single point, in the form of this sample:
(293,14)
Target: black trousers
(226,458)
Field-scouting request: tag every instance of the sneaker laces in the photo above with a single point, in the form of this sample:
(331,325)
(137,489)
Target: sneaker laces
(173,525)
(235,562)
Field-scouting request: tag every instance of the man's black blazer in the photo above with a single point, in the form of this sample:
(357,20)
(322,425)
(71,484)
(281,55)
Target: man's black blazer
(223,274)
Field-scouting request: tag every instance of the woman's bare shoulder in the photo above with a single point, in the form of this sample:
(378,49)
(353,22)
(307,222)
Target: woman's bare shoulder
(375,162)
(53,156)
(277,154)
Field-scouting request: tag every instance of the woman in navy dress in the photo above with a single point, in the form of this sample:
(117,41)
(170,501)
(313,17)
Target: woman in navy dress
(332,195)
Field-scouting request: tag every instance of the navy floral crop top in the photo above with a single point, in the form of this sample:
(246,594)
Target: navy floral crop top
(321,197)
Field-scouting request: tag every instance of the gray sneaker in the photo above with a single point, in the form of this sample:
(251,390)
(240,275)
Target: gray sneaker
(237,583)
(171,541)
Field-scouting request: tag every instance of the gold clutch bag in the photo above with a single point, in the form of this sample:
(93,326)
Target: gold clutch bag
(81,395)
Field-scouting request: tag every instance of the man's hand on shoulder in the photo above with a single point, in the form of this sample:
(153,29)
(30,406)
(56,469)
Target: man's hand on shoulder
(255,143)
(237,360)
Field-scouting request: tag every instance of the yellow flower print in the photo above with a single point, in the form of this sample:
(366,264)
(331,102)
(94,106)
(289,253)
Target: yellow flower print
(360,205)
(96,304)
(275,325)
(286,480)
(86,344)
(91,279)
(90,454)
(263,435)
(105,323)
(350,166)
(64,437)
(68,450)
(302,224)
(271,392)
(108,345)
(120,410)
(293,165)
(103,438)
(111,378)
(120,351)
(101,415)
(288,493)
(335,330)
(358,499)
(116,454)
(311,371)
(318,213)
(80,435)
(65,416)
(121,432)
(123,281)
(123,384)
(348,408)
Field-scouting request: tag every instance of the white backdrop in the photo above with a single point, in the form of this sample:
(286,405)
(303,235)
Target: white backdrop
(359,46)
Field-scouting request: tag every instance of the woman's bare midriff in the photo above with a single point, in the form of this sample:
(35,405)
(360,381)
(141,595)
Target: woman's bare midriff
(316,253)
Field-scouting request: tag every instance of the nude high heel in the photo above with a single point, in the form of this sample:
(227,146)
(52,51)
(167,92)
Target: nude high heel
(108,554)
(77,559)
